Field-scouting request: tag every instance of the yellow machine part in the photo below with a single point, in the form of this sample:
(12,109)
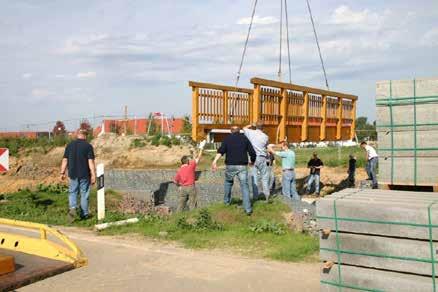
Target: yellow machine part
(41,246)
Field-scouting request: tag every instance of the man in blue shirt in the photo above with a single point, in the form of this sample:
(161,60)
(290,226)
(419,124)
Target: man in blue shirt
(236,148)
(288,167)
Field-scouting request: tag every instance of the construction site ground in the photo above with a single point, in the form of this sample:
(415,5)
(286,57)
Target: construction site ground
(139,264)
(40,166)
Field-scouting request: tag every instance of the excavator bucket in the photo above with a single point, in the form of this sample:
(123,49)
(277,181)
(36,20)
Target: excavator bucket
(288,111)
(30,252)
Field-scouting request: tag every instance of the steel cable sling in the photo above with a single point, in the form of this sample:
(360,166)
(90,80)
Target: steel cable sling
(317,44)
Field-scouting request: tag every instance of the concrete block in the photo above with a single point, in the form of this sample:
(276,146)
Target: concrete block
(379,245)
(405,88)
(374,280)
(376,208)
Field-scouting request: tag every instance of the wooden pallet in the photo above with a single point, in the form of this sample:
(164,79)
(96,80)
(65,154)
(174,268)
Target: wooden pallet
(30,269)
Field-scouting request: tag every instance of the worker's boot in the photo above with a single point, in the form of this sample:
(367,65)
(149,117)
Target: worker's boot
(71,216)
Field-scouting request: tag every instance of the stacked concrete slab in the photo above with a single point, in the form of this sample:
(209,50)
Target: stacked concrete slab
(378,240)
(407,119)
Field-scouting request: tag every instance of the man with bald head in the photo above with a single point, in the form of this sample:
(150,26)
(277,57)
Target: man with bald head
(236,148)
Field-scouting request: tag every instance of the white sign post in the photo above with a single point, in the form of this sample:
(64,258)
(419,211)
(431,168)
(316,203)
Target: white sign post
(4,159)
(100,192)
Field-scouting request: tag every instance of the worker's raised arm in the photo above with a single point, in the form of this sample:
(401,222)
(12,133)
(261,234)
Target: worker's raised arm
(198,158)
(248,127)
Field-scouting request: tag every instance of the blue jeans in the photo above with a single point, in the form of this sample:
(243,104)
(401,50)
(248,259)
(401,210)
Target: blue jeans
(313,178)
(289,185)
(260,168)
(271,178)
(81,186)
(241,172)
(371,170)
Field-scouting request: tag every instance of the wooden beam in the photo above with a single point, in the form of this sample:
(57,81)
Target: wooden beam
(256,104)
(219,87)
(291,86)
(195,112)
(305,124)
(322,132)
(339,123)
(283,114)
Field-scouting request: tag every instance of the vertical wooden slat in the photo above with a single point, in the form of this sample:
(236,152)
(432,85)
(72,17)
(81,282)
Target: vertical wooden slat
(256,103)
(353,123)
(225,107)
(322,133)
(283,114)
(305,109)
(339,124)
(195,104)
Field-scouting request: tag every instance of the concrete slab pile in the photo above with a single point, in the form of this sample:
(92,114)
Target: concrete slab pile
(378,240)
(407,126)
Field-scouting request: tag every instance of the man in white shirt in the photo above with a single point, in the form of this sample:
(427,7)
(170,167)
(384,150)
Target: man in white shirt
(372,160)
(259,142)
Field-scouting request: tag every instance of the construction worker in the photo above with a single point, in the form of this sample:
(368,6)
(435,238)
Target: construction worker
(315,164)
(351,170)
(288,181)
(236,148)
(79,158)
(185,180)
(259,142)
(372,159)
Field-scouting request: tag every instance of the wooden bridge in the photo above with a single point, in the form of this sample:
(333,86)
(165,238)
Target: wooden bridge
(297,112)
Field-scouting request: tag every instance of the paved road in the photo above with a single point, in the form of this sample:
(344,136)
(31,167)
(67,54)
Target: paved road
(135,264)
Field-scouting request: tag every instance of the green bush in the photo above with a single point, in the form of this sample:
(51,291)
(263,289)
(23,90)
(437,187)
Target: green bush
(156,140)
(267,227)
(165,140)
(138,143)
(202,222)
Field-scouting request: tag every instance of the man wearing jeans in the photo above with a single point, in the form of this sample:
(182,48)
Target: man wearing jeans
(372,160)
(259,142)
(288,182)
(236,148)
(315,164)
(79,158)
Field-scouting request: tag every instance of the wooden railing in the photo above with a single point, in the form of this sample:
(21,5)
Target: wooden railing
(291,111)
(217,107)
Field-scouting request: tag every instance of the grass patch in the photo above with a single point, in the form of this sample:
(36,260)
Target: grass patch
(49,205)
(331,156)
(264,234)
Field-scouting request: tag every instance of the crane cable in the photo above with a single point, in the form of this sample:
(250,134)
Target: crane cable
(288,42)
(281,39)
(317,44)
(246,43)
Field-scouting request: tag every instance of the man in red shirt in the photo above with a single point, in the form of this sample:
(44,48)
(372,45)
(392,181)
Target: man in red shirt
(185,179)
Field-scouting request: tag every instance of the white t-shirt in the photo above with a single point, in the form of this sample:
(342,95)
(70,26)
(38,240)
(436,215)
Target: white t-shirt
(371,152)
(259,141)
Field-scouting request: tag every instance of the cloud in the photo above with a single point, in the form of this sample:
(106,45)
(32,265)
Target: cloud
(40,92)
(258,20)
(430,38)
(60,76)
(86,75)
(26,75)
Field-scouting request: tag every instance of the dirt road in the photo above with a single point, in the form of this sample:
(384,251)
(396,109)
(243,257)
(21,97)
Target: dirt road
(135,264)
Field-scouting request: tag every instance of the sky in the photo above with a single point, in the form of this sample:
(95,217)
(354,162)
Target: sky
(66,60)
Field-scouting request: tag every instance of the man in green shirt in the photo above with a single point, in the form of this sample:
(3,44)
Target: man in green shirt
(288,167)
